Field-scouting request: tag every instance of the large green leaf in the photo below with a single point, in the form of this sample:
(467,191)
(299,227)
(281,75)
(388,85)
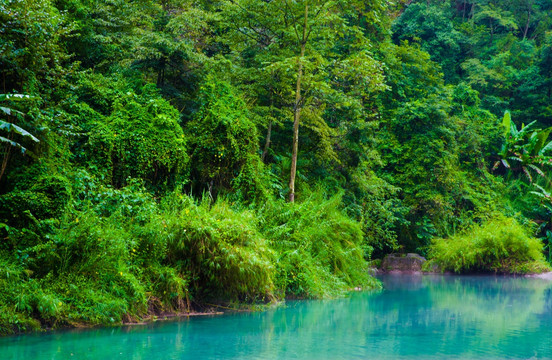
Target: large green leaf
(541,139)
(13,143)
(4,125)
(8,111)
(525,128)
(506,122)
(546,148)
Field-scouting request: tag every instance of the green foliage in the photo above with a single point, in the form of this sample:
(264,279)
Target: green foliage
(499,245)
(13,136)
(524,150)
(497,47)
(430,26)
(221,249)
(9,127)
(320,251)
(46,198)
(31,211)
(136,102)
(117,255)
(374,203)
(30,52)
(434,150)
(224,143)
(12,279)
(140,138)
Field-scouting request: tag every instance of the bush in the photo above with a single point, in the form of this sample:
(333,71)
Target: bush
(220,248)
(117,254)
(499,245)
(45,198)
(319,249)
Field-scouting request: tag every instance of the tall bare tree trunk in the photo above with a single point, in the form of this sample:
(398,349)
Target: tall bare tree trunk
(267,142)
(527,24)
(297,110)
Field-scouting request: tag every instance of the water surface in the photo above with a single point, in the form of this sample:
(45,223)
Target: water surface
(415,317)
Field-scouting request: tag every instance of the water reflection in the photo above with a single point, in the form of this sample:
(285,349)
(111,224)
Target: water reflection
(420,317)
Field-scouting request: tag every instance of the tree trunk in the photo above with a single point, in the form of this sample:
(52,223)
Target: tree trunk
(7,150)
(527,24)
(267,142)
(297,110)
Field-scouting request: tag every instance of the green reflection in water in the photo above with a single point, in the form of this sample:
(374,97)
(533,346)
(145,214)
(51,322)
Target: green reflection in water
(422,317)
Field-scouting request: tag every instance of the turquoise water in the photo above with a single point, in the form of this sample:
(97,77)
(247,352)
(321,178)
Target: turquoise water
(415,317)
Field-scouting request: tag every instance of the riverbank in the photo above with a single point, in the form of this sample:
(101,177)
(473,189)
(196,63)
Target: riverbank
(165,317)
(103,269)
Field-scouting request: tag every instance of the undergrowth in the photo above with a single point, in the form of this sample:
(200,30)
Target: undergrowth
(500,245)
(120,255)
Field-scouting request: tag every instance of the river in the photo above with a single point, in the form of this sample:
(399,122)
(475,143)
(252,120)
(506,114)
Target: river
(414,317)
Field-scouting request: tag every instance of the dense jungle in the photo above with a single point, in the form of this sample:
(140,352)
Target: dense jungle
(167,156)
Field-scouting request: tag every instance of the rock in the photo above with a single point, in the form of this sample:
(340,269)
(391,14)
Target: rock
(545,276)
(399,262)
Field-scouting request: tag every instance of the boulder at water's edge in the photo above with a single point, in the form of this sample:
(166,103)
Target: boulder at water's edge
(399,262)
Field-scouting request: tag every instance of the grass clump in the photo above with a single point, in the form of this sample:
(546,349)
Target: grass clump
(499,245)
(219,248)
(319,250)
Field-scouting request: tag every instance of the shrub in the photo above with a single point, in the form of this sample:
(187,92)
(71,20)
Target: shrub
(499,245)
(220,248)
(116,254)
(319,249)
(45,198)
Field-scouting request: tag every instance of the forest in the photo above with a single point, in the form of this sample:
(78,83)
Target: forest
(158,156)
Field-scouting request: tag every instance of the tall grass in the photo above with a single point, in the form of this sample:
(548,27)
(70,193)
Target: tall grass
(499,245)
(220,249)
(319,249)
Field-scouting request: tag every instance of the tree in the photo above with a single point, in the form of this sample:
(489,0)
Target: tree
(317,52)
(224,142)
(494,17)
(30,51)
(431,27)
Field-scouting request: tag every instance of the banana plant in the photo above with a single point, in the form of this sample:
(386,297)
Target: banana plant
(10,129)
(524,150)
